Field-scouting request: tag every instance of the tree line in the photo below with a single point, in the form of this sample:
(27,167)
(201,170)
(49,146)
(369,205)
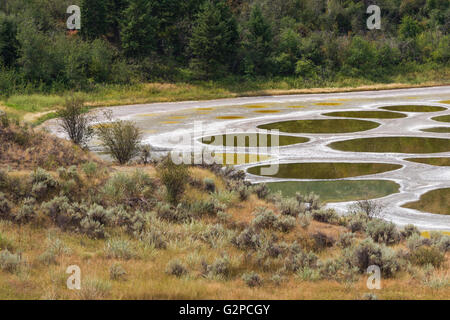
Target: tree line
(122,41)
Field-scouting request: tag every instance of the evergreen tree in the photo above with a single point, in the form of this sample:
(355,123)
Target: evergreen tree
(214,39)
(258,44)
(94,18)
(139,28)
(8,41)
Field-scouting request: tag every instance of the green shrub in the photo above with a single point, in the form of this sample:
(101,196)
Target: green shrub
(220,268)
(26,212)
(134,222)
(327,216)
(289,207)
(383,232)
(43,183)
(119,249)
(5,208)
(131,189)
(261,190)
(75,121)
(252,279)
(176,268)
(210,186)
(117,272)
(301,260)
(369,253)
(443,244)
(175,215)
(90,169)
(427,255)
(357,222)
(6,244)
(248,239)
(304,220)
(286,224)
(94,289)
(308,274)
(121,139)
(311,201)
(264,219)
(322,241)
(156,238)
(409,230)
(415,241)
(9,262)
(174,177)
(346,240)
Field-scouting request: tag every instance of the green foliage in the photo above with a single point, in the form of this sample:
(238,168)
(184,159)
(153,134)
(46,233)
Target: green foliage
(252,279)
(176,268)
(174,177)
(383,232)
(427,255)
(119,249)
(121,139)
(10,262)
(214,39)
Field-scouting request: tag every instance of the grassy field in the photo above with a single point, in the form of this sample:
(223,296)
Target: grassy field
(337,191)
(435,201)
(37,107)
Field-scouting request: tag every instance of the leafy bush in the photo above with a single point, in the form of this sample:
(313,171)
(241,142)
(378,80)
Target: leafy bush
(156,238)
(9,262)
(409,230)
(210,186)
(90,169)
(261,190)
(43,183)
(357,222)
(327,216)
(5,208)
(174,177)
(301,260)
(443,244)
(311,201)
(248,239)
(289,207)
(75,122)
(117,272)
(415,241)
(264,219)
(369,253)
(176,268)
(383,232)
(94,289)
(304,220)
(286,224)
(322,241)
(427,255)
(121,139)
(252,279)
(221,268)
(26,212)
(346,240)
(168,213)
(371,208)
(119,249)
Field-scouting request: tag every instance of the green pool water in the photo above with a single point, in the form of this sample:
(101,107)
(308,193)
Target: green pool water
(321,126)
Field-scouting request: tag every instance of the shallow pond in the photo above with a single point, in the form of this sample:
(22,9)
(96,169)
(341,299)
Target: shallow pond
(325,170)
(321,126)
(246,140)
(394,145)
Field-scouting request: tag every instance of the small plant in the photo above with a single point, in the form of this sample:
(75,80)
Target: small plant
(300,260)
(121,139)
(410,230)
(145,153)
(261,190)
(357,222)
(176,268)
(371,208)
(119,249)
(286,224)
(327,215)
(117,272)
(308,274)
(174,177)
(415,241)
(209,184)
(264,219)
(94,289)
(5,208)
(369,296)
(322,241)
(252,279)
(346,240)
(90,169)
(9,262)
(248,239)
(383,232)
(26,212)
(427,255)
(221,268)
(289,207)
(156,239)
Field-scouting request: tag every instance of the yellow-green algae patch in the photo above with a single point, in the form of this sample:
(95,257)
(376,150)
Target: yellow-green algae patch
(321,126)
(328,104)
(229,117)
(267,111)
(252,140)
(435,201)
(442,118)
(337,190)
(414,108)
(367,114)
(437,130)
(394,145)
(441,162)
(325,170)
(254,107)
